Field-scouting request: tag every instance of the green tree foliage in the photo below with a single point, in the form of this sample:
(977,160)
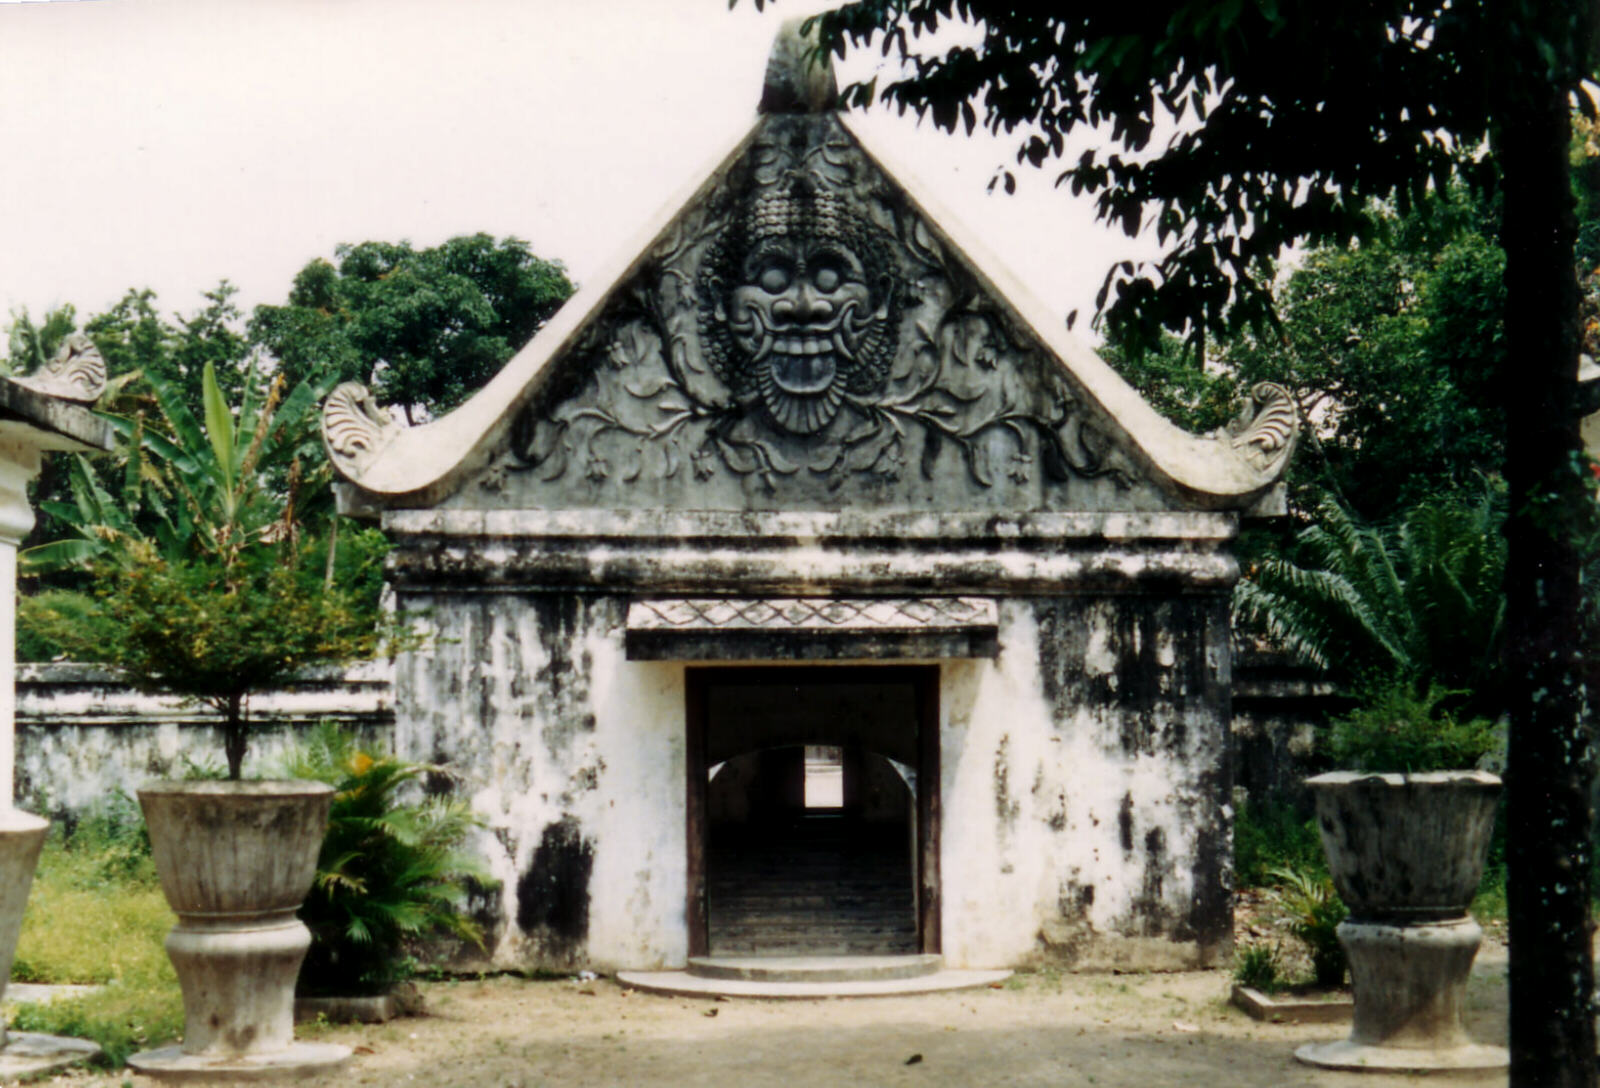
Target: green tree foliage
(1399,730)
(1293,118)
(133,336)
(391,869)
(30,345)
(222,597)
(425,328)
(1391,347)
(138,343)
(1197,398)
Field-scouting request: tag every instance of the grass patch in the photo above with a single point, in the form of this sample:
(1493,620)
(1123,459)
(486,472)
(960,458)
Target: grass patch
(1489,905)
(96,915)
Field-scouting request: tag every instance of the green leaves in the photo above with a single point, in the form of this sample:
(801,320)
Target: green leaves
(204,585)
(219,430)
(391,868)
(425,328)
(1291,120)
(1421,601)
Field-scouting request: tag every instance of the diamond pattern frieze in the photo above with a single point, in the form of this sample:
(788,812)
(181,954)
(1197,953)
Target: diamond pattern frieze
(813,613)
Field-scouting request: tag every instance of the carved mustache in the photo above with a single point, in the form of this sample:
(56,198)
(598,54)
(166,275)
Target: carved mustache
(843,332)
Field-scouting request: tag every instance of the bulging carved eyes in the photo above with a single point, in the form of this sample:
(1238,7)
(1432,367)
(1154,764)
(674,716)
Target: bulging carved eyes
(827,278)
(774,279)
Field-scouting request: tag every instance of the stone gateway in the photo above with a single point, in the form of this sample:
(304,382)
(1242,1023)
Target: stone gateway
(805,588)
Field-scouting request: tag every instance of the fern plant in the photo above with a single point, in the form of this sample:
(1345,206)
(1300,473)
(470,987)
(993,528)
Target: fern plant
(1313,910)
(1419,601)
(391,870)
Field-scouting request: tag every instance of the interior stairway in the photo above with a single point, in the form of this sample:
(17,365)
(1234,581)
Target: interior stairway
(818,884)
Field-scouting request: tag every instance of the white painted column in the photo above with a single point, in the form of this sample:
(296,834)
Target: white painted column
(19,463)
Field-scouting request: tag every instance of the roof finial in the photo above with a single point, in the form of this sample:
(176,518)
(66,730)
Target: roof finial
(795,83)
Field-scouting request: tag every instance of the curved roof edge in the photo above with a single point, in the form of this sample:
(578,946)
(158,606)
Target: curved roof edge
(397,465)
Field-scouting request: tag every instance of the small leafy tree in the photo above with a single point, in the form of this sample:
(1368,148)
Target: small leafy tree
(215,595)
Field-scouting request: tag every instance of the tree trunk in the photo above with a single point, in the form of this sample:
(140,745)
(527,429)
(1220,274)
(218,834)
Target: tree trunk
(233,743)
(1548,772)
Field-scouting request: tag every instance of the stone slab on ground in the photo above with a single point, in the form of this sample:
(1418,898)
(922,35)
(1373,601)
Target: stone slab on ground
(684,984)
(815,968)
(375,1009)
(1288,1009)
(28,1054)
(401,999)
(1352,1057)
(296,1063)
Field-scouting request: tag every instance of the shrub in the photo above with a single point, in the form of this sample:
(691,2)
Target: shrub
(1260,967)
(1397,730)
(390,871)
(1271,835)
(1313,911)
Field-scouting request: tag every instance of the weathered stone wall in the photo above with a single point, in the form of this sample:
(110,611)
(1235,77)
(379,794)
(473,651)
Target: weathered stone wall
(1085,817)
(83,734)
(1279,709)
(574,756)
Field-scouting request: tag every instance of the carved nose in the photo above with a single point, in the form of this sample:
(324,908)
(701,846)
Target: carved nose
(803,306)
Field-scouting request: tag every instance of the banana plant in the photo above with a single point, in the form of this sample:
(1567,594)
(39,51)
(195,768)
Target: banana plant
(202,587)
(190,488)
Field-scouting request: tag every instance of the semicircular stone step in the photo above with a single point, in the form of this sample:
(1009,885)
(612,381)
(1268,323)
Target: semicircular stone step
(814,968)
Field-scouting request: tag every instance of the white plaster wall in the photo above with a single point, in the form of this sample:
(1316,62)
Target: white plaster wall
(994,852)
(639,888)
(1041,799)
(1073,811)
(549,725)
(83,735)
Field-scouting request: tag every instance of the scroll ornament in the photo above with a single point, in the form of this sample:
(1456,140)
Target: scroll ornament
(76,373)
(1264,432)
(354,428)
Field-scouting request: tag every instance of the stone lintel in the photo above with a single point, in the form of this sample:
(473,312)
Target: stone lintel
(469,565)
(1206,528)
(812,629)
(809,554)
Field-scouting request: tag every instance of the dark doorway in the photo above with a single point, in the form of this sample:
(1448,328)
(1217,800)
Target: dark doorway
(813,810)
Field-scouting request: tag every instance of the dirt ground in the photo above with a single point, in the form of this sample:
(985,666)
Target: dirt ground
(1111,1031)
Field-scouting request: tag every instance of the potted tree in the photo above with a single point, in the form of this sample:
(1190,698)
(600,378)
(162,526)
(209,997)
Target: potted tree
(204,589)
(1409,621)
(1406,844)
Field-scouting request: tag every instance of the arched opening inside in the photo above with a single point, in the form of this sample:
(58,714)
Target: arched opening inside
(789,873)
(809,832)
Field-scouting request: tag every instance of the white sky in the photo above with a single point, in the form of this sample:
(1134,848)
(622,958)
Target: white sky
(170,143)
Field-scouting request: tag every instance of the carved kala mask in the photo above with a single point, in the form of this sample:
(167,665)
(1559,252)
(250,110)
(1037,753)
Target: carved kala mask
(797,306)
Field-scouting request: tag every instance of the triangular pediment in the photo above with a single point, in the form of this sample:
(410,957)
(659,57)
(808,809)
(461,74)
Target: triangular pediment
(804,334)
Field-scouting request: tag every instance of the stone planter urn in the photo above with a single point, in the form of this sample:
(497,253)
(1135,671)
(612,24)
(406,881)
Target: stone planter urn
(22,1052)
(1406,853)
(235,860)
